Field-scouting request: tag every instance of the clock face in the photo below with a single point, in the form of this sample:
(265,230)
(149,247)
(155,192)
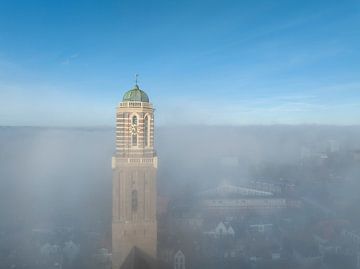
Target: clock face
(133,129)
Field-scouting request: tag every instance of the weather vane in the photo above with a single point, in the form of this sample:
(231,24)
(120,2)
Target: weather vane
(136,79)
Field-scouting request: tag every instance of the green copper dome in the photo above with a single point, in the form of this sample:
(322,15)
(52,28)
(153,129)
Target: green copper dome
(136,94)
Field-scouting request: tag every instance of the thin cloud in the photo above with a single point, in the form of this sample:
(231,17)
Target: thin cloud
(69,59)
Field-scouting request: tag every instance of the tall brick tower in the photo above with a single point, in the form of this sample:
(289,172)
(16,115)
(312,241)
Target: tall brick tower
(134,178)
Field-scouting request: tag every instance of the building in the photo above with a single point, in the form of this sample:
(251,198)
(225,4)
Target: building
(134,167)
(261,228)
(223,229)
(233,200)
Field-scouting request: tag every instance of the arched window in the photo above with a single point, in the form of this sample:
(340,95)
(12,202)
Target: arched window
(134,120)
(146,131)
(134,139)
(134,200)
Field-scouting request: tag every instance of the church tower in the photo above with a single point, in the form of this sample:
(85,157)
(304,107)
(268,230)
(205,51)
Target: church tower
(134,178)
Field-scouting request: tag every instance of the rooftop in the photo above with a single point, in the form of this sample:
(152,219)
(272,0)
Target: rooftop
(136,94)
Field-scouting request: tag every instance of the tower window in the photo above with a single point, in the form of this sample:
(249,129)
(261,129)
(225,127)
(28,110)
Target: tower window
(146,131)
(134,138)
(134,200)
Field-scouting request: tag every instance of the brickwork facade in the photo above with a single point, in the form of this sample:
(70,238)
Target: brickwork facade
(134,182)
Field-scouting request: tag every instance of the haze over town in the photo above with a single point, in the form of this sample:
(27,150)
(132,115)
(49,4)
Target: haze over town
(180,134)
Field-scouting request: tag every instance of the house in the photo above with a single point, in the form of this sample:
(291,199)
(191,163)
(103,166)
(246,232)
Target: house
(179,260)
(223,229)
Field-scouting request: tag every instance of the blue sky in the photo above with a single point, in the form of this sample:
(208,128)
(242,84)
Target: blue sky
(68,63)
